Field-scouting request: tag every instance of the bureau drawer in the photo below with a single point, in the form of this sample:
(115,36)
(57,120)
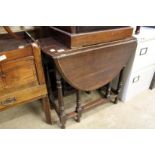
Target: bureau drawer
(145,55)
(23,96)
(137,83)
(20,72)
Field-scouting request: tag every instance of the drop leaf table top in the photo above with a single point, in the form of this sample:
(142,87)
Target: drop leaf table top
(89,68)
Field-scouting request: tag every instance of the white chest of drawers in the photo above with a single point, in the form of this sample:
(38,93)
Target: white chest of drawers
(139,72)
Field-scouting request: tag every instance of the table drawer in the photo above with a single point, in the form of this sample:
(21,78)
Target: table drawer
(145,55)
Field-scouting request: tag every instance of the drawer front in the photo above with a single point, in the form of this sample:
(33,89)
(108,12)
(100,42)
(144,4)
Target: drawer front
(145,55)
(19,73)
(138,82)
(23,96)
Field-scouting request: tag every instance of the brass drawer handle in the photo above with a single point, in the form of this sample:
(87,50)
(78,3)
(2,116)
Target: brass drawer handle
(8,101)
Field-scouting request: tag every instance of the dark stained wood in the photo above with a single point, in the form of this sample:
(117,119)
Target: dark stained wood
(92,68)
(108,91)
(74,40)
(72,114)
(78,105)
(87,106)
(60,101)
(120,84)
(93,104)
(88,68)
(83,29)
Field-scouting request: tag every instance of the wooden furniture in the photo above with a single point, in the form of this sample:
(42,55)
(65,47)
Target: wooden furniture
(21,75)
(87,68)
(141,67)
(80,36)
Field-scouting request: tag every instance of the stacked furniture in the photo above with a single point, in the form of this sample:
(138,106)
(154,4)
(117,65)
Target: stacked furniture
(141,67)
(21,75)
(87,58)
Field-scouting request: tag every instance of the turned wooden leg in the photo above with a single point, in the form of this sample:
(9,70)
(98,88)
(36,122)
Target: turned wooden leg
(78,105)
(62,115)
(119,86)
(46,107)
(108,91)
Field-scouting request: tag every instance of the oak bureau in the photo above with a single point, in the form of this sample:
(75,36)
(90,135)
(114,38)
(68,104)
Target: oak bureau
(21,75)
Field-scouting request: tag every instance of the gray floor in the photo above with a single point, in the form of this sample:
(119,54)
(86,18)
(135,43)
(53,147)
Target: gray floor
(137,113)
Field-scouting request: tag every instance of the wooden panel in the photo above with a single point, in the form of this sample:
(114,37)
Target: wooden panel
(93,68)
(100,36)
(18,53)
(91,38)
(19,72)
(83,29)
(22,96)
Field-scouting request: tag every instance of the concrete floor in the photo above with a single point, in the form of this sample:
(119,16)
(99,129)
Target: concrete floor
(137,113)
